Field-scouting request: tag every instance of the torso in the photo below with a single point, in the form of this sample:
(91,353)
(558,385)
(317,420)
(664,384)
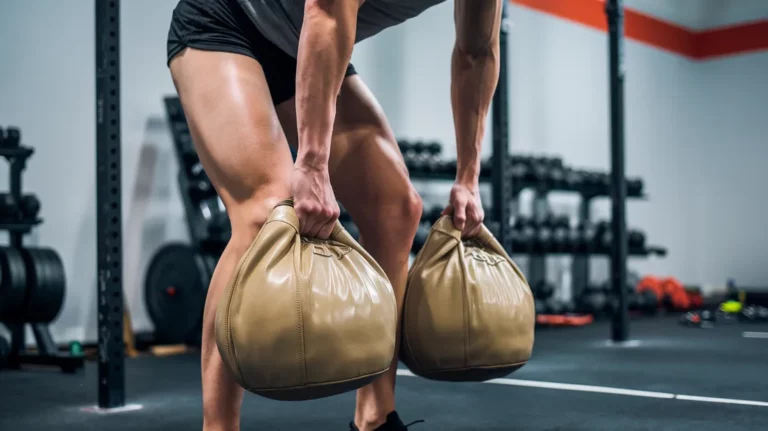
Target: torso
(280,20)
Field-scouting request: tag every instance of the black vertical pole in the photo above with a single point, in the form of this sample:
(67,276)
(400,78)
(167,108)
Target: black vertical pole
(501,188)
(615,12)
(108,209)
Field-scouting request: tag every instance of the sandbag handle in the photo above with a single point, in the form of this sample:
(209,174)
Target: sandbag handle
(337,228)
(484,236)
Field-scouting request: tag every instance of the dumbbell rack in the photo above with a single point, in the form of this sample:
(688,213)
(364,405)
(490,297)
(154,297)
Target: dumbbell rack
(580,265)
(47,353)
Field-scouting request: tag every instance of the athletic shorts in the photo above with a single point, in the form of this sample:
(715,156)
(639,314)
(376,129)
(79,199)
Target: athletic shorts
(222,25)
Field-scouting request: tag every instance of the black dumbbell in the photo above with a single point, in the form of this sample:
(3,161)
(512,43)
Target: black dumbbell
(12,137)
(647,302)
(572,179)
(560,239)
(519,173)
(634,186)
(523,234)
(9,208)
(636,240)
(30,207)
(554,306)
(486,168)
(434,148)
(587,242)
(404,145)
(543,289)
(594,303)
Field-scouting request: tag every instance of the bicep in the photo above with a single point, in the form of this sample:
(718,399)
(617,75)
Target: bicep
(477,25)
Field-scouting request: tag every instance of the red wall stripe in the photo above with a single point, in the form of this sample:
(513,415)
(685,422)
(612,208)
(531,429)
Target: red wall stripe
(741,38)
(659,33)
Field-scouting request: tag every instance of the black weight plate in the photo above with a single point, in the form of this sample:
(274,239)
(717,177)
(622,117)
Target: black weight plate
(57,286)
(174,291)
(45,284)
(13,288)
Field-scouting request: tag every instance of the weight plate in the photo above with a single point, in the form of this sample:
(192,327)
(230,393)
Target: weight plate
(13,294)
(174,291)
(46,285)
(13,287)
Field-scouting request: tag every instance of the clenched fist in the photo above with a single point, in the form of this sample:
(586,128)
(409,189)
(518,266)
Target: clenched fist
(314,201)
(466,209)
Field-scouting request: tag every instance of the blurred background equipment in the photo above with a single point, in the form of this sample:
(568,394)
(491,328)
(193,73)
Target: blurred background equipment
(32,279)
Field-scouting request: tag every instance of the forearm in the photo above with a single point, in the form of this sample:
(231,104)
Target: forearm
(325,47)
(474,76)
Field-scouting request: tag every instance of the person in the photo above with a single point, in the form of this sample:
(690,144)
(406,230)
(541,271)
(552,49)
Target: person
(256,75)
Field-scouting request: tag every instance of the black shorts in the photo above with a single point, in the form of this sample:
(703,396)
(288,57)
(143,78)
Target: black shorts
(222,25)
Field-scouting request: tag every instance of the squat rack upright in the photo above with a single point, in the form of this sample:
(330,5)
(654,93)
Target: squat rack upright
(109,235)
(111,362)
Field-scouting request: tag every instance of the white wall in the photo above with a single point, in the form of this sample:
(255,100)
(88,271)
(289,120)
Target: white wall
(683,121)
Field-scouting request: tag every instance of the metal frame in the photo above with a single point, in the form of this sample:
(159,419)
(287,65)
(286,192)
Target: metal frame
(502,193)
(108,207)
(614,10)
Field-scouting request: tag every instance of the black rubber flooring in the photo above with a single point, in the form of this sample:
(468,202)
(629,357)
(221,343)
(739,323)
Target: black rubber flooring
(666,358)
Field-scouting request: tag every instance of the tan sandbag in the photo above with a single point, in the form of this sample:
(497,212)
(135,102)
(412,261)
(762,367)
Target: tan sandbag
(306,318)
(469,312)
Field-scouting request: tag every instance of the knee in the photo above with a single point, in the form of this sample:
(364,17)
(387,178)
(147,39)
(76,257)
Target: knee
(247,219)
(398,216)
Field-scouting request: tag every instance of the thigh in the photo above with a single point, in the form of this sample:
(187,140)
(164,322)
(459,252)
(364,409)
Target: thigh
(235,130)
(366,167)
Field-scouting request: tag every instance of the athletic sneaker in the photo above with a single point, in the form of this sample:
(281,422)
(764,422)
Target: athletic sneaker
(393,423)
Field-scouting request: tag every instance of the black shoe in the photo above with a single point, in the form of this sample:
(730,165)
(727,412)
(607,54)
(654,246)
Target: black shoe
(393,423)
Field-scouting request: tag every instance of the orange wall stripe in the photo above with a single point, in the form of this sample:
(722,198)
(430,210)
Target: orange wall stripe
(659,33)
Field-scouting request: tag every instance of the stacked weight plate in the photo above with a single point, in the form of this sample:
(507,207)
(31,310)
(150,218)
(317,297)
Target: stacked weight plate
(33,285)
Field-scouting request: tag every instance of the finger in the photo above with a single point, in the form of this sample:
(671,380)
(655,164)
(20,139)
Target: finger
(448,210)
(326,220)
(471,230)
(307,222)
(460,216)
(326,230)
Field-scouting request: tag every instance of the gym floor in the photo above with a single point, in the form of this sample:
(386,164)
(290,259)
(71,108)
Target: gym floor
(575,381)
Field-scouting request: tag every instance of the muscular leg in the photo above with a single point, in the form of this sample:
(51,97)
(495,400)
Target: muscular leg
(370,179)
(244,152)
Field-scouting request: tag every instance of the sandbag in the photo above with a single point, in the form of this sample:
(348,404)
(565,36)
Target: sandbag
(306,318)
(469,313)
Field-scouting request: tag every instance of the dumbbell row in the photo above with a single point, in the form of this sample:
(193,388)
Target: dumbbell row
(524,172)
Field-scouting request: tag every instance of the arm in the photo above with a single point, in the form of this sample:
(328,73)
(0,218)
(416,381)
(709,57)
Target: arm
(474,75)
(325,47)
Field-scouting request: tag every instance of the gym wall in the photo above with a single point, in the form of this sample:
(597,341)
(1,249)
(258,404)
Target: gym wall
(690,125)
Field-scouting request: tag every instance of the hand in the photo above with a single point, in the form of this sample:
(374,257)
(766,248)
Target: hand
(314,201)
(466,208)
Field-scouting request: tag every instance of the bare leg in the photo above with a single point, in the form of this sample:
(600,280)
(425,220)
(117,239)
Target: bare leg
(370,179)
(244,152)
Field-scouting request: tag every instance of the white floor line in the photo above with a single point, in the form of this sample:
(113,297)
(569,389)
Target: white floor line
(748,334)
(610,390)
(721,400)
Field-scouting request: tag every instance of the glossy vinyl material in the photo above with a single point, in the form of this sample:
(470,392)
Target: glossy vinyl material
(469,312)
(305,318)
